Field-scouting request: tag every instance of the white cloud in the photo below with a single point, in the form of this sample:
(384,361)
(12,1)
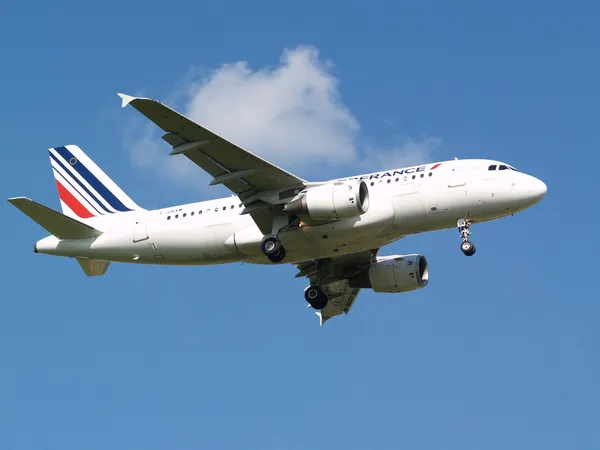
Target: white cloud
(291,114)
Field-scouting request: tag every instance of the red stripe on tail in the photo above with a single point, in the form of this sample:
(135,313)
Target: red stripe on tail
(72,202)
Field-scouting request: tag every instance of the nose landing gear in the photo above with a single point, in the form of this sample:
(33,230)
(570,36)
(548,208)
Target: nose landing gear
(315,297)
(467,247)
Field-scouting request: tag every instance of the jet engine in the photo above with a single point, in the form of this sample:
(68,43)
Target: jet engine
(332,201)
(396,273)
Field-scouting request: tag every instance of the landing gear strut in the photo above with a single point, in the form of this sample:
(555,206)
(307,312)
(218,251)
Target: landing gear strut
(315,296)
(467,247)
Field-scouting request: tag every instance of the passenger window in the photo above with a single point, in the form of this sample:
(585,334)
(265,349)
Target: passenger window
(372,183)
(414,176)
(184,214)
(231,206)
(389,181)
(240,205)
(405,178)
(192,213)
(397,179)
(216,209)
(422,175)
(176,216)
(199,212)
(168,217)
(430,174)
(492,167)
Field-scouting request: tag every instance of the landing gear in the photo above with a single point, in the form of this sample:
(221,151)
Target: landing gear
(467,247)
(315,296)
(273,249)
(271,246)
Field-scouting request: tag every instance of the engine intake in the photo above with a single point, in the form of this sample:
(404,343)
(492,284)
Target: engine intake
(337,200)
(396,273)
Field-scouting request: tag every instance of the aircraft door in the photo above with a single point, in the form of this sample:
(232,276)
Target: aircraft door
(140,231)
(457,178)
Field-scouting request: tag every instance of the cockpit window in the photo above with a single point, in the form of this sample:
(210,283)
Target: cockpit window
(492,167)
(512,168)
(502,167)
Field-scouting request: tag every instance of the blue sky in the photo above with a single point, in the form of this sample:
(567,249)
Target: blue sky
(498,351)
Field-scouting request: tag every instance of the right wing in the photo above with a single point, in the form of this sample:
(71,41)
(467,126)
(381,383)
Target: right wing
(340,299)
(332,275)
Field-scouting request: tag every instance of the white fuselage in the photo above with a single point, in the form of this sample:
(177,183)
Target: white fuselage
(401,202)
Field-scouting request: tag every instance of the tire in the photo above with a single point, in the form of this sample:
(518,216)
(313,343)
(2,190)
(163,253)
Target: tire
(271,247)
(468,248)
(315,296)
(279,256)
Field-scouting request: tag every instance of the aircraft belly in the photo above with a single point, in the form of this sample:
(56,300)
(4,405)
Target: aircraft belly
(190,243)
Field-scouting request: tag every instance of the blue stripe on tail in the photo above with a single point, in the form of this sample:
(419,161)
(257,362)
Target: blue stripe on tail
(92,180)
(79,183)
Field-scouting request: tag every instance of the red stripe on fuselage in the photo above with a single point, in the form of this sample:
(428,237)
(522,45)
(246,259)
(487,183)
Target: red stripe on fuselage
(72,202)
(436,166)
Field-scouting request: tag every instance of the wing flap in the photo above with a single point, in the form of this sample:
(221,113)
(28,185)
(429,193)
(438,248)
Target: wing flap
(55,223)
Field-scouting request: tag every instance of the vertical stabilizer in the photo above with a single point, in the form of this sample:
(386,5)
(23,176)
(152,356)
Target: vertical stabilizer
(83,188)
(93,267)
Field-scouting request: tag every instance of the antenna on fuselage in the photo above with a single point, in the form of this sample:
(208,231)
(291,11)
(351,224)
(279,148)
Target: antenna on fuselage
(455,158)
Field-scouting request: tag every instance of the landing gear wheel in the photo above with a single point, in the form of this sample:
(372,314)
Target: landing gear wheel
(315,296)
(273,249)
(468,248)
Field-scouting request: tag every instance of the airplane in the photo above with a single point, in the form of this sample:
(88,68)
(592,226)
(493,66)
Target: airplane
(332,231)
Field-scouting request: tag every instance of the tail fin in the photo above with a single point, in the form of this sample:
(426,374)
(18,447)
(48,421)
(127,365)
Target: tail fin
(84,189)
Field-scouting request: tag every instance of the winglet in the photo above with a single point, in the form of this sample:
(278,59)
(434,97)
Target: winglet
(321,320)
(127,99)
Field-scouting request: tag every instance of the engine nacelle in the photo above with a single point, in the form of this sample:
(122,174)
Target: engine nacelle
(336,200)
(396,273)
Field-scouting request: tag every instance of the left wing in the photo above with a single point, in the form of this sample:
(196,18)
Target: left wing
(239,170)
(332,274)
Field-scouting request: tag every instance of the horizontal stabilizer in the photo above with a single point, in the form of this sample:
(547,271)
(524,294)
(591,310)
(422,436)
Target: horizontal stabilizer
(93,267)
(55,223)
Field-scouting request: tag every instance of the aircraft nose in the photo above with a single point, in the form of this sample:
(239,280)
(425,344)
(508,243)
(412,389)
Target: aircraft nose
(533,190)
(537,189)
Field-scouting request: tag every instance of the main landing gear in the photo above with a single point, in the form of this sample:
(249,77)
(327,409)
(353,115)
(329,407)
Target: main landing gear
(467,247)
(273,249)
(315,297)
